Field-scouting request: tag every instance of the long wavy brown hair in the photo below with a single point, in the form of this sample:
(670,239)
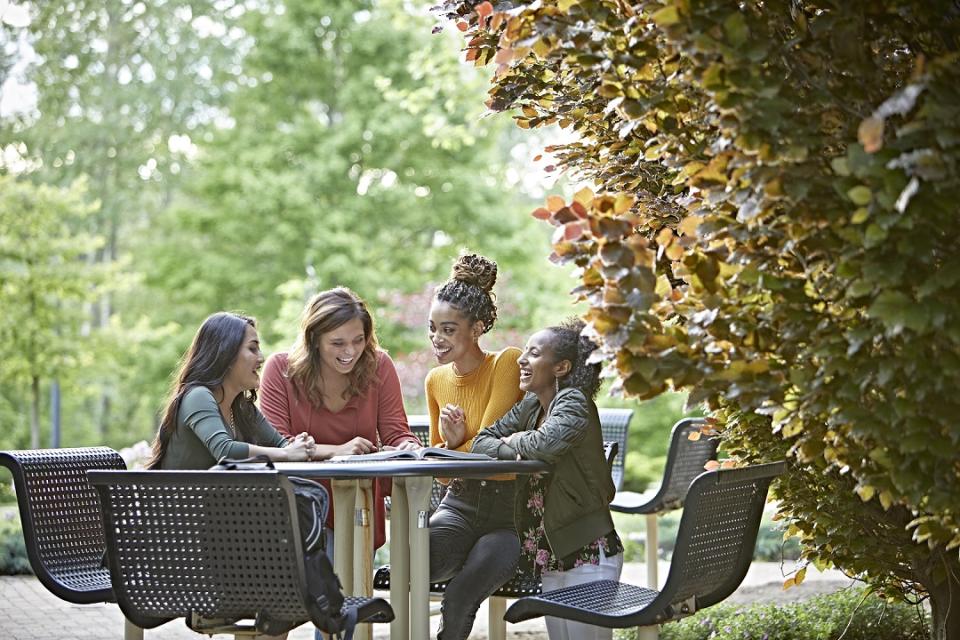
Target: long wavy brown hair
(325,312)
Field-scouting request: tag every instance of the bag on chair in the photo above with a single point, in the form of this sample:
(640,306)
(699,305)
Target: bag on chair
(323,585)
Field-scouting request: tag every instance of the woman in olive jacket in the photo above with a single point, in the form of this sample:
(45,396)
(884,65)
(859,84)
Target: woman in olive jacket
(563,518)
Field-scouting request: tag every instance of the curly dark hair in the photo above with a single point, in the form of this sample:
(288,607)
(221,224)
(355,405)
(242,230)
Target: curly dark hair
(469,289)
(567,343)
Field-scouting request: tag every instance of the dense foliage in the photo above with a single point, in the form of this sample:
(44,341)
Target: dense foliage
(851,614)
(774,229)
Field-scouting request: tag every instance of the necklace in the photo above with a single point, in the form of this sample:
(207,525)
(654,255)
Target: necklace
(231,427)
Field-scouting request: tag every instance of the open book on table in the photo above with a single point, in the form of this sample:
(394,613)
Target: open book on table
(426,453)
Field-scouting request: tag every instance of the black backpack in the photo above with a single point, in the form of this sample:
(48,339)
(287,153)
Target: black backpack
(323,585)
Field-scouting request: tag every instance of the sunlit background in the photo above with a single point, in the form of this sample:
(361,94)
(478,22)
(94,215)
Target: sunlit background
(165,160)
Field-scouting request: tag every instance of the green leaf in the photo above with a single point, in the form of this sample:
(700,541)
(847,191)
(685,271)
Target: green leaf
(666,17)
(859,195)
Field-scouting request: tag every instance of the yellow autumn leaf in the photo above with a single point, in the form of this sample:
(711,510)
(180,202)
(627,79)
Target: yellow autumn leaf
(711,465)
(666,16)
(529,111)
(870,134)
(789,582)
(860,215)
(886,500)
(622,203)
(584,196)
(555,203)
(729,463)
(665,237)
(693,436)
(865,492)
(799,577)
(688,226)
(674,251)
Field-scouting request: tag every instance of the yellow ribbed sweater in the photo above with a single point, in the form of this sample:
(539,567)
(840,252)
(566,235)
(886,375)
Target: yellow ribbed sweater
(484,394)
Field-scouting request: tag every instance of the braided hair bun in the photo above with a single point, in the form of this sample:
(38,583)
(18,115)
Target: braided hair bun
(476,270)
(470,289)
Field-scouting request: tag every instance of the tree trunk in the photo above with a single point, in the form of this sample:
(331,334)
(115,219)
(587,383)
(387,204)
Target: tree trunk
(35,412)
(945,600)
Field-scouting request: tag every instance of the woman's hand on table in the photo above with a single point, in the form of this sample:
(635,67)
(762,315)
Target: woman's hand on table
(453,426)
(300,448)
(406,445)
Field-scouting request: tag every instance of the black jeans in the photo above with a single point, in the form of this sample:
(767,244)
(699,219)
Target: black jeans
(474,545)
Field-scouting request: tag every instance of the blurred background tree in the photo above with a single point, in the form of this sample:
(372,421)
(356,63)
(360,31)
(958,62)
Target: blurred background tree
(241,156)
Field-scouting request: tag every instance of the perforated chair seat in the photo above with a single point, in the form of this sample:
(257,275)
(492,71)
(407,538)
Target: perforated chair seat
(61,518)
(714,548)
(519,585)
(209,545)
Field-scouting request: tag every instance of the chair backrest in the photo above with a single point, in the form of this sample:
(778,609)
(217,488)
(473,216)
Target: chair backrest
(716,538)
(60,515)
(211,543)
(420,426)
(615,423)
(685,461)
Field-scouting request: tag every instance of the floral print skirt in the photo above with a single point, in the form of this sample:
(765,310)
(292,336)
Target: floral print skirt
(535,554)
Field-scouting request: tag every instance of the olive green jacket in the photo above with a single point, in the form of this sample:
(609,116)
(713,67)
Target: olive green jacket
(577,502)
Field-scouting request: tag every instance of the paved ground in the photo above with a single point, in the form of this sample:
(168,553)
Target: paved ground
(30,612)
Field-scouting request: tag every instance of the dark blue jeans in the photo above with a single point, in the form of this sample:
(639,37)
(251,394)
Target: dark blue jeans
(474,545)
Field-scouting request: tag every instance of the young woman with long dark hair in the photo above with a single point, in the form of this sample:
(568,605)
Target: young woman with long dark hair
(211,414)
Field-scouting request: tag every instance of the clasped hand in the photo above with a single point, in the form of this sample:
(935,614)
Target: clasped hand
(453,426)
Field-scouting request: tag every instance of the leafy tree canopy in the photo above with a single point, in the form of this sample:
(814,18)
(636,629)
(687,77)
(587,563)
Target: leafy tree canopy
(779,237)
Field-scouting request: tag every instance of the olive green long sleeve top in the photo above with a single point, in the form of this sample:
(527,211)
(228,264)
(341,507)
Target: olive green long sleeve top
(202,438)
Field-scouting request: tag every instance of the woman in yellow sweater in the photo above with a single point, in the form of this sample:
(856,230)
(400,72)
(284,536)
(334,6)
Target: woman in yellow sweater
(473,541)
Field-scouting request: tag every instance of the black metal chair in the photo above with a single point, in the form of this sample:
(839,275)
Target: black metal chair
(715,542)
(615,424)
(60,516)
(211,547)
(685,461)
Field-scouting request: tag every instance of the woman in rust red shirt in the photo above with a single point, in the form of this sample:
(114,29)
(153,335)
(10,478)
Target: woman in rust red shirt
(338,386)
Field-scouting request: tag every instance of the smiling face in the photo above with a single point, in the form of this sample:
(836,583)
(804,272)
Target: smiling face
(451,334)
(244,373)
(539,368)
(340,349)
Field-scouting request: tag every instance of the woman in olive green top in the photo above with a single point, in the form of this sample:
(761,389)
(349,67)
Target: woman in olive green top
(211,413)
(563,518)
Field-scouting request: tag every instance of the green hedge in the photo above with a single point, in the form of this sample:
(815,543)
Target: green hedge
(13,553)
(850,613)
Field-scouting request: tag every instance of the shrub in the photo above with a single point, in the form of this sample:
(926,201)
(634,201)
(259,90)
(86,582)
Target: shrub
(853,614)
(775,231)
(13,552)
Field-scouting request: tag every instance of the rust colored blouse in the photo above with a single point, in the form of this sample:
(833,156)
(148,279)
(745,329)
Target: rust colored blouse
(377,415)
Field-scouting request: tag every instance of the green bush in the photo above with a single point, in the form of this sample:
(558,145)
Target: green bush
(13,553)
(851,613)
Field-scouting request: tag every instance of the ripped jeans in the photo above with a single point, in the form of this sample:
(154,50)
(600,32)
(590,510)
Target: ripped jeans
(474,545)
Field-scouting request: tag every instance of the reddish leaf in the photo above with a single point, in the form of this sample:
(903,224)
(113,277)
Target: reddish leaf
(463,26)
(579,209)
(542,214)
(484,9)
